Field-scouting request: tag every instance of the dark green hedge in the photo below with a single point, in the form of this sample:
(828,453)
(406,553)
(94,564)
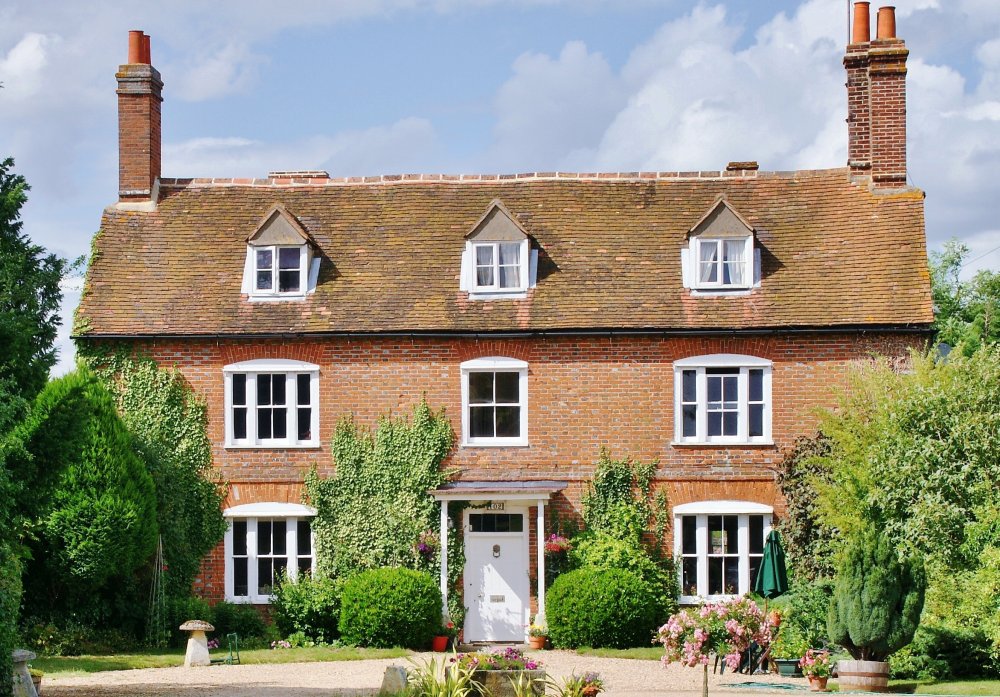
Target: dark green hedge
(601,608)
(390,607)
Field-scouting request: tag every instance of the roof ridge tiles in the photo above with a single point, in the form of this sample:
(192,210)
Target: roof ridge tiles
(418,178)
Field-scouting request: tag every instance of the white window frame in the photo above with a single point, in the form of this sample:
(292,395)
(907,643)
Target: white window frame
(291,513)
(274,292)
(493,365)
(700,364)
(291,369)
(701,511)
(523,270)
(694,258)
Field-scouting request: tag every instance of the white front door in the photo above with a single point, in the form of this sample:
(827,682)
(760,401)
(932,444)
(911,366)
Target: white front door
(496,575)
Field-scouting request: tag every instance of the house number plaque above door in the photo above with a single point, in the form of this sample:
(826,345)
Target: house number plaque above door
(495,506)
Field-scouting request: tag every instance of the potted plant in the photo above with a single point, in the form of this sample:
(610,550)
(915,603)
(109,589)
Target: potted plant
(538,635)
(788,648)
(816,666)
(444,637)
(875,609)
(590,684)
(36,679)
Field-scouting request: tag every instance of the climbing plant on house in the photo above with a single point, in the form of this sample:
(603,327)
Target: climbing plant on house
(375,510)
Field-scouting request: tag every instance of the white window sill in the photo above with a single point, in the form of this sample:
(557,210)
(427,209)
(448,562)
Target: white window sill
(276,298)
(722,444)
(714,292)
(272,446)
(498,295)
(699,600)
(249,600)
(507,444)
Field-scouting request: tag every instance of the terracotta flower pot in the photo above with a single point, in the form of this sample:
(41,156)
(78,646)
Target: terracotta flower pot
(537,642)
(817,684)
(439,644)
(591,691)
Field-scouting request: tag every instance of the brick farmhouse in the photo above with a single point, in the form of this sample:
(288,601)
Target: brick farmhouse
(697,319)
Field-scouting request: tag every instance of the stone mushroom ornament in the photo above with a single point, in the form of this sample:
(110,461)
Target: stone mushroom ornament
(197,646)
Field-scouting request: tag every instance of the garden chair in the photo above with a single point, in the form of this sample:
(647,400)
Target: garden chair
(234,651)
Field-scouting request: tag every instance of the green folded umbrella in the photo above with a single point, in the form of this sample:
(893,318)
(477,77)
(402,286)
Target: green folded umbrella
(772,579)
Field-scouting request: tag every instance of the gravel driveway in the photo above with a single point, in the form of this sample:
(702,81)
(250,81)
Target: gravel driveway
(623,678)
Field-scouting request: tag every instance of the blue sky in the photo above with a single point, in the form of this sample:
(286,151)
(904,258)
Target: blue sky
(385,86)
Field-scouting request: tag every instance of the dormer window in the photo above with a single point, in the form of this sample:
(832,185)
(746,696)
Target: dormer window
(720,255)
(281,261)
(498,262)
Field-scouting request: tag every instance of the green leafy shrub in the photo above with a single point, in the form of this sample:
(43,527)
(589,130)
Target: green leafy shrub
(390,607)
(601,608)
(180,610)
(245,620)
(602,551)
(938,653)
(877,599)
(310,606)
(806,605)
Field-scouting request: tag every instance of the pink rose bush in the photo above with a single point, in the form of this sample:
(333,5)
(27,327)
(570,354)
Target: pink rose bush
(727,628)
(816,664)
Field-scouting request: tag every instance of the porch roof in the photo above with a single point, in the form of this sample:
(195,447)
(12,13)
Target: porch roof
(501,490)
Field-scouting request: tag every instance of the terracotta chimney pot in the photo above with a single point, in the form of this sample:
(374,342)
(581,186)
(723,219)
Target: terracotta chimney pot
(145,50)
(862,23)
(886,27)
(135,47)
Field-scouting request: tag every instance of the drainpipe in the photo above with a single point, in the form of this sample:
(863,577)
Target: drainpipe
(444,560)
(540,615)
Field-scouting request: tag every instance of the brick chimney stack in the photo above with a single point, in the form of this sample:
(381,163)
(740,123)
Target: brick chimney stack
(139,97)
(876,99)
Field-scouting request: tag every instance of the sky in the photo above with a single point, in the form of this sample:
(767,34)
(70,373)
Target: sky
(362,87)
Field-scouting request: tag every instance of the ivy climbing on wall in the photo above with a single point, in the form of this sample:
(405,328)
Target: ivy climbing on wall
(375,510)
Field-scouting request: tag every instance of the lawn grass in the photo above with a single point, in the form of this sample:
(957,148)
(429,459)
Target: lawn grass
(645,653)
(79,665)
(961,687)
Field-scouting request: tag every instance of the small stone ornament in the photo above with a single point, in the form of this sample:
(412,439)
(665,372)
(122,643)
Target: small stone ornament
(197,646)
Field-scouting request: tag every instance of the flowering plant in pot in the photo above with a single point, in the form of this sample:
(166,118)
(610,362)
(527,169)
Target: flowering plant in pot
(789,646)
(538,635)
(590,684)
(444,637)
(728,628)
(817,667)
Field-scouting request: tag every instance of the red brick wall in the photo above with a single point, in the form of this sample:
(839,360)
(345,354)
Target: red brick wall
(139,130)
(583,393)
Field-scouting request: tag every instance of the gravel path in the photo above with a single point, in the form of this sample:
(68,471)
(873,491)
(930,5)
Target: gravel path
(623,678)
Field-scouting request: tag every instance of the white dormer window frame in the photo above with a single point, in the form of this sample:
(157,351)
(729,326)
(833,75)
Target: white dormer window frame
(721,263)
(284,392)
(273,263)
(493,265)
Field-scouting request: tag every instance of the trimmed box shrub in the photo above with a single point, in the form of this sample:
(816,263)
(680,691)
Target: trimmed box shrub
(601,608)
(390,607)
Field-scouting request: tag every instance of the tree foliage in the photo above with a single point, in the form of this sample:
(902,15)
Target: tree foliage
(808,542)
(169,424)
(371,512)
(966,313)
(29,295)
(877,598)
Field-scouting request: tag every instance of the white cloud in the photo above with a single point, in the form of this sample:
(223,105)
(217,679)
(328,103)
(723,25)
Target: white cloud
(231,69)
(21,69)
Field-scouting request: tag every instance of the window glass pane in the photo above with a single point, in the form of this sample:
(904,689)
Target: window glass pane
(714,388)
(689,543)
(240,388)
(305,565)
(304,430)
(756,379)
(480,388)
(510,277)
(484,276)
(689,579)
(265,577)
(303,395)
(279,528)
(501,523)
(732,575)
(239,423)
(516,522)
(756,534)
(280,567)
(304,539)
(481,422)
(289,258)
(278,390)
(263,280)
(715,575)
(754,568)
(730,388)
(263,537)
(735,262)
(709,250)
(731,525)
(263,389)
(264,423)
(265,260)
(690,420)
(507,388)
(708,262)
(689,381)
(756,420)
(716,535)
(484,255)
(240,577)
(240,537)
(280,429)
(730,423)
(510,254)
(288,281)
(715,423)
(508,422)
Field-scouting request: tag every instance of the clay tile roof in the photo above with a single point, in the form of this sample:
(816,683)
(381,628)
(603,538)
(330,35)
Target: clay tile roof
(833,254)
